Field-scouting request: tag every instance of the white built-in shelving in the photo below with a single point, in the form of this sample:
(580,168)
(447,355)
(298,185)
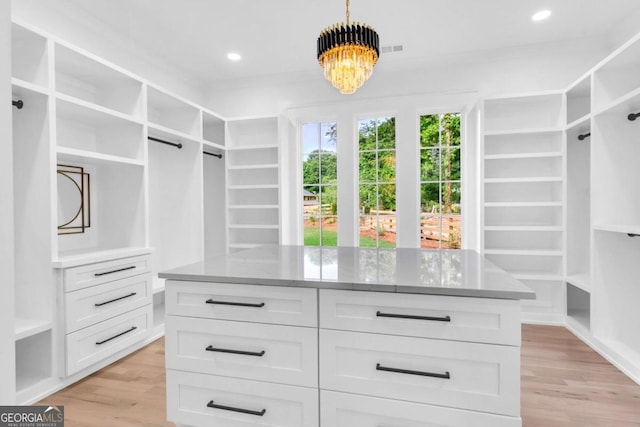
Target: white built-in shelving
(523,174)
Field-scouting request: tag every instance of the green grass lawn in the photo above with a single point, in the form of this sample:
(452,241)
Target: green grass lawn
(330,238)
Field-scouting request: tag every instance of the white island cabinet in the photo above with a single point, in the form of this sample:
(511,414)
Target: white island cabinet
(293,336)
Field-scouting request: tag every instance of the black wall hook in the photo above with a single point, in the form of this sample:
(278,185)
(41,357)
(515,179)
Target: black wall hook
(633,235)
(584,136)
(18,104)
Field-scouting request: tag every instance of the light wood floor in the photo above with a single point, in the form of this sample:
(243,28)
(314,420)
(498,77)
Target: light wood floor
(564,383)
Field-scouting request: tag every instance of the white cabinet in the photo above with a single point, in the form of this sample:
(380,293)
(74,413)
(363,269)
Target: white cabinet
(375,358)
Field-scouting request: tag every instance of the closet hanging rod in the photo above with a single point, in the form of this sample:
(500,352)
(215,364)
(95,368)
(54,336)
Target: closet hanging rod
(213,154)
(584,136)
(178,145)
(633,116)
(633,235)
(18,104)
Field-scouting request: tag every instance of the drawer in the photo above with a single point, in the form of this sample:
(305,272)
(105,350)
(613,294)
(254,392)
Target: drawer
(275,353)
(246,303)
(93,274)
(428,316)
(88,306)
(351,410)
(95,343)
(191,397)
(480,377)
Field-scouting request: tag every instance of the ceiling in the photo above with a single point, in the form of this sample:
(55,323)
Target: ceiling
(279,36)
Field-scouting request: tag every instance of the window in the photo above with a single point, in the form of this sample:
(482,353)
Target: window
(377,189)
(440,217)
(320,184)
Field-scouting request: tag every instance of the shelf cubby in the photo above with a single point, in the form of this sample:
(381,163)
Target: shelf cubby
(253,217)
(90,130)
(168,111)
(29,56)
(521,240)
(252,133)
(536,111)
(523,216)
(215,200)
(252,157)
(617,76)
(117,207)
(258,176)
(579,306)
(539,142)
(528,265)
(615,180)
(523,192)
(34,363)
(253,196)
(96,82)
(579,100)
(254,236)
(542,167)
(213,129)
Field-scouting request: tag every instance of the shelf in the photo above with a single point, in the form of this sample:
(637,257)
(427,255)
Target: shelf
(580,280)
(253,147)
(522,156)
(76,258)
(523,180)
(90,157)
(252,187)
(580,318)
(618,228)
(244,245)
(253,226)
(537,276)
(87,111)
(523,228)
(213,145)
(253,206)
(622,105)
(252,167)
(584,120)
(18,86)
(213,129)
(27,327)
(164,132)
(523,131)
(171,112)
(29,56)
(522,204)
(523,252)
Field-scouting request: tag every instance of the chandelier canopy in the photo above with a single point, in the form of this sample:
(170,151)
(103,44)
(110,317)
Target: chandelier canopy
(348,54)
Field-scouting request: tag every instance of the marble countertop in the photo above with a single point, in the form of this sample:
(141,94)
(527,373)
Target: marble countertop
(419,271)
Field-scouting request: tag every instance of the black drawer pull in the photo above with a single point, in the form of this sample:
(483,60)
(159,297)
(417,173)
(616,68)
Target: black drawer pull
(230,408)
(114,271)
(100,304)
(445,376)
(225,350)
(133,328)
(408,316)
(238,304)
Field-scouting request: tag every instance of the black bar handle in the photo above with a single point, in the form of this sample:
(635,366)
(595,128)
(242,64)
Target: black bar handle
(445,376)
(633,235)
(633,116)
(245,353)
(18,104)
(162,141)
(133,328)
(213,154)
(237,304)
(115,271)
(408,316)
(584,136)
(100,304)
(231,408)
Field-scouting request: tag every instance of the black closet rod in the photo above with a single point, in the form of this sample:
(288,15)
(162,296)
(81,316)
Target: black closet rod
(584,136)
(213,154)
(18,104)
(633,116)
(178,145)
(633,235)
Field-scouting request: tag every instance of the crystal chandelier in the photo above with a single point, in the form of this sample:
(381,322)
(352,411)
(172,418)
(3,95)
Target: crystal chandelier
(348,54)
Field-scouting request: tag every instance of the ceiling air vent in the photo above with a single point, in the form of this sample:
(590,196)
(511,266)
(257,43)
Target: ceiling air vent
(391,49)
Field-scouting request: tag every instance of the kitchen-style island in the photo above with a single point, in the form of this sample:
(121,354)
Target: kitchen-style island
(296,336)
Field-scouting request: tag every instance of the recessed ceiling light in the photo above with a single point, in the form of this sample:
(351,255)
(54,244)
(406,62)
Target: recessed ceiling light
(232,56)
(541,16)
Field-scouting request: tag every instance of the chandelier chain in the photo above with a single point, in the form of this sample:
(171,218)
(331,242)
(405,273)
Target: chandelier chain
(347,1)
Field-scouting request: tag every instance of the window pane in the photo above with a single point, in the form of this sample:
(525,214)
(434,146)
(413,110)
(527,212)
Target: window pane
(311,169)
(310,138)
(387,219)
(368,219)
(329,200)
(430,164)
(330,231)
(451,215)
(430,216)
(430,130)
(451,129)
(387,133)
(329,137)
(368,167)
(329,168)
(387,166)
(311,216)
(451,164)
(367,135)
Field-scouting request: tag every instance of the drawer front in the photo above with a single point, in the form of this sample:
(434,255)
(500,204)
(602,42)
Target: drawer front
(205,400)
(480,377)
(95,343)
(89,306)
(93,274)
(428,316)
(245,303)
(274,353)
(351,410)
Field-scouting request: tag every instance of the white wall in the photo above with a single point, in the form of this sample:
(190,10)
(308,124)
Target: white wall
(87,32)
(529,68)
(7,323)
